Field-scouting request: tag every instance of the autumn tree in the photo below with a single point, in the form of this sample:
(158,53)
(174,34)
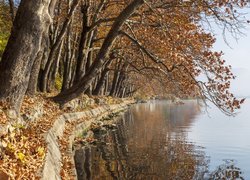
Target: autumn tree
(175,50)
(96,66)
(26,36)
(110,47)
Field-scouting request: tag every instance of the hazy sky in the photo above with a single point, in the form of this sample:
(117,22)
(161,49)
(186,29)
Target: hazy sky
(237,55)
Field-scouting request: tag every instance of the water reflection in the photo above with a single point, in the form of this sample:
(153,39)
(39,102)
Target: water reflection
(146,145)
(228,170)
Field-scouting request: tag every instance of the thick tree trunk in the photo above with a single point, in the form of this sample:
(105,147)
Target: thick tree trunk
(33,81)
(96,67)
(34,75)
(22,49)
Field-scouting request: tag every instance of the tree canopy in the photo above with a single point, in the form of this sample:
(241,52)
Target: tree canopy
(118,48)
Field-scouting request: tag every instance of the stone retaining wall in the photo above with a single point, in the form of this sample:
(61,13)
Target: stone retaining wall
(53,160)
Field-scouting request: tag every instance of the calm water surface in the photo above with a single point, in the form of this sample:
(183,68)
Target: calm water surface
(159,140)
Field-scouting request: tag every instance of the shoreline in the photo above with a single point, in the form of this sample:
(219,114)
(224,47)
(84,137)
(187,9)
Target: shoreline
(59,159)
(38,144)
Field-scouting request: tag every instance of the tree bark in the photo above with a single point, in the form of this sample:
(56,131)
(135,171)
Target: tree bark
(33,81)
(22,49)
(121,79)
(96,67)
(114,82)
(100,82)
(106,87)
(67,64)
(80,69)
(53,70)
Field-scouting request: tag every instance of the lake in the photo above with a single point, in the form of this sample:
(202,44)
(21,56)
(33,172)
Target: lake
(161,140)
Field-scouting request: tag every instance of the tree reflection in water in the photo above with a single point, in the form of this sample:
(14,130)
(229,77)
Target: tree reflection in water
(149,143)
(228,170)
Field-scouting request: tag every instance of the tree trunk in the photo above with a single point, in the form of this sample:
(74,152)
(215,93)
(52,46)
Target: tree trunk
(122,94)
(131,91)
(121,79)
(33,81)
(22,49)
(106,87)
(96,67)
(53,70)
(114,82)
(89,59)
(56,45)
(67,64)
(80,69)
(116,79)
(101,82)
